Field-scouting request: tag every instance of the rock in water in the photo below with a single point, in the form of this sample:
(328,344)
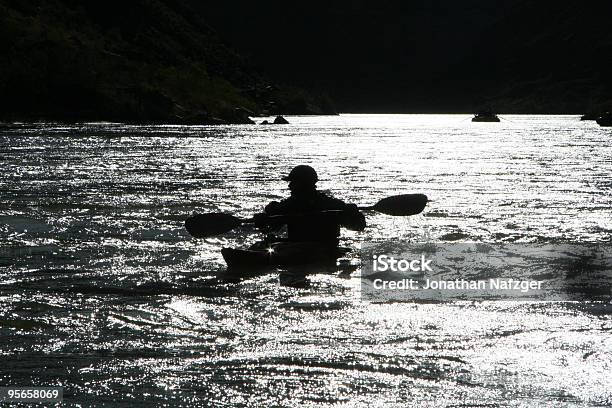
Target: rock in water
(279,120)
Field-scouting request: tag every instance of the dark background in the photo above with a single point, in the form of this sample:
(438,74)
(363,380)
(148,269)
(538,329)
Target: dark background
(189,61)
(431,55)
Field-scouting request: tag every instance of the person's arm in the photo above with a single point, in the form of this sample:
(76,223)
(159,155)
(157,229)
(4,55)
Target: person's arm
(263,220)
(352,218)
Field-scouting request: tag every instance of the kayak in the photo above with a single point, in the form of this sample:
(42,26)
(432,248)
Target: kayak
(282,254)
(605,120)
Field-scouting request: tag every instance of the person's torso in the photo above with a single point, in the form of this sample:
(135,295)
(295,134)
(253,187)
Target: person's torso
(312,222)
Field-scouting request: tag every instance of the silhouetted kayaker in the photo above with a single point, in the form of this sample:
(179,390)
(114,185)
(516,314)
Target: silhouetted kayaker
(309,218)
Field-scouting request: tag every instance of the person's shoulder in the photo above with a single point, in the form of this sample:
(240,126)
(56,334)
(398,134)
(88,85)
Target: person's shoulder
(279,207)
(328,200)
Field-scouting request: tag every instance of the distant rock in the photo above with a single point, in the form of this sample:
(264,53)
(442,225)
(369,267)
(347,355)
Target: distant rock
(265,122)
(605,119)
(279,120)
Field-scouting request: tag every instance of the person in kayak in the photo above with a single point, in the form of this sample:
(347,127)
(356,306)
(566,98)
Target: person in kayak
(309,218)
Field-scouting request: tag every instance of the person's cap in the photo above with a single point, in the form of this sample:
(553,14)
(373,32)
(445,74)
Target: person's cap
(302,173)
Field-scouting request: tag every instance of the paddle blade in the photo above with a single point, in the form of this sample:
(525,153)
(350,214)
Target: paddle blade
(209,224)
(401,205)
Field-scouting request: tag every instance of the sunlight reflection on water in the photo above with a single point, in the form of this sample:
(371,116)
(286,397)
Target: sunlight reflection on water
(103,292)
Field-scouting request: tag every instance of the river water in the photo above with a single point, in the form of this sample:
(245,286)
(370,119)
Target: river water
(104,293)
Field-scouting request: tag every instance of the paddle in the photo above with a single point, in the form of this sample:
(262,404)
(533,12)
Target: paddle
(400,205)
(210,224)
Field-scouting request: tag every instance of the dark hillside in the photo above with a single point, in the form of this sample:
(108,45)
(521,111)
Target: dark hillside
(142,61)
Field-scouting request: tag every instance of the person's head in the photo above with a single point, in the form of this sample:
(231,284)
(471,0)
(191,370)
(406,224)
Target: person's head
(302,180)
